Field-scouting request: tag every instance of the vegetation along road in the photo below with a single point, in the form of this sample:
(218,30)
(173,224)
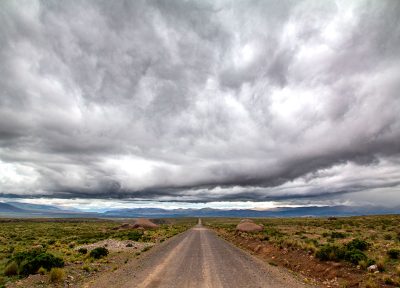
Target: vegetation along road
(198,258)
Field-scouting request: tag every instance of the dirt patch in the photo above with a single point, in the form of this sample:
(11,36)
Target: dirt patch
(140,223)
(144,223)
(117,245)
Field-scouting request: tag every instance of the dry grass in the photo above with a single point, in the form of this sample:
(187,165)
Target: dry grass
(56,275)
(63,237)
(382,233)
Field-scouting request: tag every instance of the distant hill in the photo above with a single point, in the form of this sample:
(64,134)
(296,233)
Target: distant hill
(8,208)
(39,207)
(26,210)
(15,209)
(314,211)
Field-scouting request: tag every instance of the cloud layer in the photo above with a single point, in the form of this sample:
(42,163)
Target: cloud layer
(199,101)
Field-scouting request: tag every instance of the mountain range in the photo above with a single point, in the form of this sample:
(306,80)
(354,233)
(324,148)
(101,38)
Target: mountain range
(26,210)
(21,210)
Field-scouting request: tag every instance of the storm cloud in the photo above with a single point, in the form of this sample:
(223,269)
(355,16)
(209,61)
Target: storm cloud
(200,101)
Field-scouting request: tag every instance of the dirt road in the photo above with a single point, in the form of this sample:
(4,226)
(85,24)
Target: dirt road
(198,258)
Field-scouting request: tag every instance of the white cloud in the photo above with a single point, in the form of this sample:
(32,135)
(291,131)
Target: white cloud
(199,101)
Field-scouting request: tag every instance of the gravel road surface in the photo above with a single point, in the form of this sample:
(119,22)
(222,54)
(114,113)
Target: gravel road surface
(197,258)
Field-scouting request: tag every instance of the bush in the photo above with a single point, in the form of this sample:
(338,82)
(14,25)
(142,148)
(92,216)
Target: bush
(135,235)
(145,238)
(387,237)
(393,253)
(265,237)
(336,253)
(82,250)
(146,248)
(273,232)
(381,264)
(354,256)
(86,268)
(29,262)
(41,271)
(56,274)
(338,235)
(357,244)
(363,264)
(389,281)
(98,252)
(11,269)
(330,252)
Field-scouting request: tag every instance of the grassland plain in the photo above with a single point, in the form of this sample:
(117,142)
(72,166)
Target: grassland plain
(331,252)
(56,246)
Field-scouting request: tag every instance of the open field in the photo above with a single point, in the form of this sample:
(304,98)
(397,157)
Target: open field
(329,252)
(62,239)
(326,252)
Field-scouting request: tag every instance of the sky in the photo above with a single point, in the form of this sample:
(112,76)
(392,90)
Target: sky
(224,104)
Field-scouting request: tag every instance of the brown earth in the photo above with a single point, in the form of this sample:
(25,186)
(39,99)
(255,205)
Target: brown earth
(140,223)
(144,223)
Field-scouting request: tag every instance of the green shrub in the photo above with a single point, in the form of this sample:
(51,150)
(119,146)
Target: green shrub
(273,232)
(86,268)
(29,262)
(387,237)
(330,252)
(363,264)
(98,252)
(42,271)
(135,235)
(355,256)
(389,281)
(357,244)
(146,248)
(336,253)
(381,264)
(146,238)
(82,250)
(11,269)
(312,241)
(265,237)
(338,235)
(56,274)
(393,253)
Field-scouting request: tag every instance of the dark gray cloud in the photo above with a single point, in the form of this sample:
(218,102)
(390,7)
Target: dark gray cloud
(199,100)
